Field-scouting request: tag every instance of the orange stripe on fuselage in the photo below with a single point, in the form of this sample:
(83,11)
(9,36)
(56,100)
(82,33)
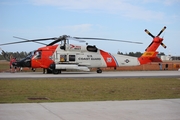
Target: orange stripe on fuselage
(148,54)
(110,62)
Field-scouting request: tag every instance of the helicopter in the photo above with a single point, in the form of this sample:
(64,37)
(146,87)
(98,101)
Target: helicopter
(65,56)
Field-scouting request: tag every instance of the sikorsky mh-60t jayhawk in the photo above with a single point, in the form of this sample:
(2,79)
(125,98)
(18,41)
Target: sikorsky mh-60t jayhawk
(64,56)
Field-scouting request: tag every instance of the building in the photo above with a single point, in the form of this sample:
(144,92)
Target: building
(169,57)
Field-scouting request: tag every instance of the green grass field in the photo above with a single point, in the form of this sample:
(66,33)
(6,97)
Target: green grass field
(87,89)
(4,65)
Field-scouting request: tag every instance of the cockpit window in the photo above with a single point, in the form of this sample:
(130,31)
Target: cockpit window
(30,54)
(37,55)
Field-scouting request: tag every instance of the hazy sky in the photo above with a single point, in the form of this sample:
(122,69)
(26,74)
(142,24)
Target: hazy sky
(117,19)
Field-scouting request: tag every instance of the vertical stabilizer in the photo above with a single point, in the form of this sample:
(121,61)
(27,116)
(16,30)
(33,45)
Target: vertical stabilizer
(150,54)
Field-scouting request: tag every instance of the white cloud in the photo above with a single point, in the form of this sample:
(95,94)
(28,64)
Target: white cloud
(125,8)
(171,2)
(165,2)
(84,4)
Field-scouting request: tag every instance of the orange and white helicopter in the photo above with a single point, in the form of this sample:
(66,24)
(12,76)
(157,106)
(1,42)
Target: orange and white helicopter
(64,56)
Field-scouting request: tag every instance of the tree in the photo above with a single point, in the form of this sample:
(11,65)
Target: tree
(119,53)
(137,54)
(161,53)
(6,55)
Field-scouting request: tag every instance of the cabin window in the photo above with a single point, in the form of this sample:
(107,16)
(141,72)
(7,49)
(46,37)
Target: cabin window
(91,48)
(63,58)
(72,58)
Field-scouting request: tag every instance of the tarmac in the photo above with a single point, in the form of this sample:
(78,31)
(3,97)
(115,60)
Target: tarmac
(162,109)
(110,74)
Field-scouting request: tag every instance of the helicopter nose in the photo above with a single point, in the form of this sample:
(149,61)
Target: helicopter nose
(26,62)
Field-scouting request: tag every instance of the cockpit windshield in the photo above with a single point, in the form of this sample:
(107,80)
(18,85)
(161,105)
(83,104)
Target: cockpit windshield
(30,54)
(37,55)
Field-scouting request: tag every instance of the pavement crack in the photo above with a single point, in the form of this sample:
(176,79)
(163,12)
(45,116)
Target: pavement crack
(51,111)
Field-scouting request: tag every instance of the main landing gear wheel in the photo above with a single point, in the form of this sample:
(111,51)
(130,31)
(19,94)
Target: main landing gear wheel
(56,71)
(33,69)
(49,71)
(99,70)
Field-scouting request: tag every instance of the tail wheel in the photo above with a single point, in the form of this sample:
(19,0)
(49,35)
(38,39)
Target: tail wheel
(99,70)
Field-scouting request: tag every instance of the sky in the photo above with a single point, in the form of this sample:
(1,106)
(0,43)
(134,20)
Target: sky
(115,19)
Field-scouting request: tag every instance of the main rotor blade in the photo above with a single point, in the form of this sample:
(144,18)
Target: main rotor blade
(26,41)
(149,33)
(29,40)
(161,31)
(44,39)
(13,43)
(75,39)
(56,41)
(107,40)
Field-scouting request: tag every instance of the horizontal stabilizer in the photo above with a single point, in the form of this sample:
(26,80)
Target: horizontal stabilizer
(149,56)
(156,59)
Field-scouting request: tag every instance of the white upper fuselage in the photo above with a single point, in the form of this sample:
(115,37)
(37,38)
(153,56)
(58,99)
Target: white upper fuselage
(90,56)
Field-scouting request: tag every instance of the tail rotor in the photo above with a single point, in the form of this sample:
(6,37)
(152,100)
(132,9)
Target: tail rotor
(156,39)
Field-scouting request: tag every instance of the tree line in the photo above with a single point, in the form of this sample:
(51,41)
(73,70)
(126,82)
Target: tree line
(135,54)
(17,55)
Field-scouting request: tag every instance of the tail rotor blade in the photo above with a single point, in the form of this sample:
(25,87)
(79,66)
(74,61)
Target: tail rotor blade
(163,45)
(149,45)
(161,31)
(149,33)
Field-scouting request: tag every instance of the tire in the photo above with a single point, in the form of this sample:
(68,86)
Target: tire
(99,71)
(49,71)
(56,71)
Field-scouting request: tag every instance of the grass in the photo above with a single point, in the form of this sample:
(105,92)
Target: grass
(87,89)
(4,65)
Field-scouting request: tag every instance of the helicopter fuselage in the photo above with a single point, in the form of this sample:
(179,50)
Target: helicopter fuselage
(70,56)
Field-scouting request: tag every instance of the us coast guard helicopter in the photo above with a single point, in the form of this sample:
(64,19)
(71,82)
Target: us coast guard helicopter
(65,56)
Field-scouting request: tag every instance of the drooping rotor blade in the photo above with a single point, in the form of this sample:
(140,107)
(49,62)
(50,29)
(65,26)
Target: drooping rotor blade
(5,55)
(54,42)
(163,45)
(149,33)
(63,37)
(107,40)
(161,31)
(13,43)
(29,40)
(44,39)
